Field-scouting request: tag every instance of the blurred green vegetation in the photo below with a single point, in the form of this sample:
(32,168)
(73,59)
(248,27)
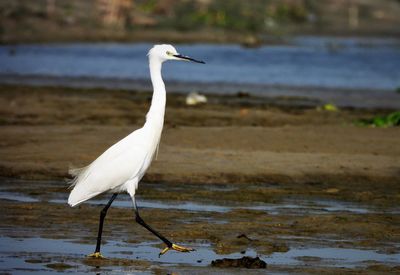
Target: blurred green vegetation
(236,15)
(232,15)
(390,120)
(258,16)
(50,20)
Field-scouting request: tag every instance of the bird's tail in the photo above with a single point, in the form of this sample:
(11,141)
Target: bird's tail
(79,175)
(76,197)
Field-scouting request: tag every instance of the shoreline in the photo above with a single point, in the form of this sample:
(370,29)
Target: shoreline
(385,99)
(247,39)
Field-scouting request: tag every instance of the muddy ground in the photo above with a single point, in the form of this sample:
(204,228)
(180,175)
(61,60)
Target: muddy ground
(307,190)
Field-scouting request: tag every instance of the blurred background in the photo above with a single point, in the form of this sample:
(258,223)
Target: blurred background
(286,48)
(248,22)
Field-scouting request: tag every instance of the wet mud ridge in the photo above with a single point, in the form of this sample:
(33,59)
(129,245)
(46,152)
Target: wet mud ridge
(244,262)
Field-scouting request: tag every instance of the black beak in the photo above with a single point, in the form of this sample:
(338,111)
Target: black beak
(188,58)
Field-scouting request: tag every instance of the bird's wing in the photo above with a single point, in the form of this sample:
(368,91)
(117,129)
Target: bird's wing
(114,167)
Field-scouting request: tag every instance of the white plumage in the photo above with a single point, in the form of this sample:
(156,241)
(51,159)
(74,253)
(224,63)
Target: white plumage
(122,166)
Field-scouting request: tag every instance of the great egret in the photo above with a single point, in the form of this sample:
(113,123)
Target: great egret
(122,166)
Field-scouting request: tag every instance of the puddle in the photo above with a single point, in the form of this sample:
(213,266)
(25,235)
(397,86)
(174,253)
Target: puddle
(187,206)
(287,207)
(19,252)
(17,197)
(338,257)
(15,251)
(318,207)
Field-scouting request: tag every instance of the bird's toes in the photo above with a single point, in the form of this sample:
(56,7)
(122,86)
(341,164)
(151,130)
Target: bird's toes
(96,255)
(176,248)
(181,248)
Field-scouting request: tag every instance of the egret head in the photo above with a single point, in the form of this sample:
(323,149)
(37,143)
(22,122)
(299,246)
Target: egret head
(166,52)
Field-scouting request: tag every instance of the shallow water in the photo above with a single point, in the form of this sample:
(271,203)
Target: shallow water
(288,207)
(350,63)
(17,197)
(33,250)
(19,253)
(339,257)
(142,251)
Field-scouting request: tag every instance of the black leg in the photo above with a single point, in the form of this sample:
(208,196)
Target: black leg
(140,221)
(103,214)
(169,244)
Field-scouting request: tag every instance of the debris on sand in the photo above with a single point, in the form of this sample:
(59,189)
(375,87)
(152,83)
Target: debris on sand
(244,262)
(195,99)
(330,107)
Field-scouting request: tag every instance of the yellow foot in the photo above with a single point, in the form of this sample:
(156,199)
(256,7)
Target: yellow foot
(176,248)
(96,255)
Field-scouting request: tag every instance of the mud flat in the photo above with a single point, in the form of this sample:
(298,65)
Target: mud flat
(305,190)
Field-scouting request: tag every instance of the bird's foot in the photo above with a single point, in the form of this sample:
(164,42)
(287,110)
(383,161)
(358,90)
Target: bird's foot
(176,248)
(96,255)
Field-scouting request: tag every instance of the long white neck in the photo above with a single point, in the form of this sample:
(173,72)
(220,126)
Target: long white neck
(157,108)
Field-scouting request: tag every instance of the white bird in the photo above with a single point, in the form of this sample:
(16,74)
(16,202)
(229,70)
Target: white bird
(121,167)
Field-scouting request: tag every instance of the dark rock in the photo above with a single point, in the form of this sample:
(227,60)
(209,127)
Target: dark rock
(244,262)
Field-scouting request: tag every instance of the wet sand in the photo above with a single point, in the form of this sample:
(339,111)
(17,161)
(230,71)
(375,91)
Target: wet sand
(308,190)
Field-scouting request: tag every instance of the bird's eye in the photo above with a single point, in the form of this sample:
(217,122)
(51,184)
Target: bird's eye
(169,53)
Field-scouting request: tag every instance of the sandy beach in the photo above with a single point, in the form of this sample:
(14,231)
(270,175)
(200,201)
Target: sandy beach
(234,150)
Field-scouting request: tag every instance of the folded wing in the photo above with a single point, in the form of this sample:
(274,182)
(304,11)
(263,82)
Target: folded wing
(120,163)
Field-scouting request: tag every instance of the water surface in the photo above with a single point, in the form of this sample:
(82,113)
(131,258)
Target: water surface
(347,63)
